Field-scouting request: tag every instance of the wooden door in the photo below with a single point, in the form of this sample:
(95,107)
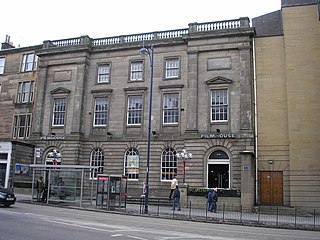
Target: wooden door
(271,188)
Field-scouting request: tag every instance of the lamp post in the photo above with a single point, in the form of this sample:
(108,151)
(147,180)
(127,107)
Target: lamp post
(145,50)
(184,155)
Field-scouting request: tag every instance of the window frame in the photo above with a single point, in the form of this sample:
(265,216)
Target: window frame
(138,111)
(25,93)
(168,69)
(62,113)
(104,74)
(223,105)
(28,65)
(168,157)
(96,156)
(136,164)
(2,64)
(139,71)
(175,109)
(17,128)
(103,112)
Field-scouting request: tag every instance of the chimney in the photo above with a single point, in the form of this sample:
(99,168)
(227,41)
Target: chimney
(7,44)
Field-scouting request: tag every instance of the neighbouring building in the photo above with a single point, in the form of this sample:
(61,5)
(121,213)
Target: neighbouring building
(287,53)
(18,77)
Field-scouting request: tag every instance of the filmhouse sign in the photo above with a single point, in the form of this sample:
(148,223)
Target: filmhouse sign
(218,135)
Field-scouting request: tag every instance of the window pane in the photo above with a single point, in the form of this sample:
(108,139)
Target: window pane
(97,160)
(219,105)
(100,111)
(172,68)
(104,73)
(132,159)
(171,108)
(2,62)
(134,114)
(168,164)
(136,71)
(59,109)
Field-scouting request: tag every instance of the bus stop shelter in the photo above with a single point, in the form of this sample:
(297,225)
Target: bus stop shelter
(72,184)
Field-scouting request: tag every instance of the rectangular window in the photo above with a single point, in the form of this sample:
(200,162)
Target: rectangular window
(25,92)
(21,126)
(171,108)
(104,73)
(134,114)
(172,68)
(2,62)
(59,112)
(219,105)
(136,73)
(100,111)
(29,62)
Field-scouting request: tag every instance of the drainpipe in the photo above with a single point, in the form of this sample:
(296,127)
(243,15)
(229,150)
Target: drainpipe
(255,119)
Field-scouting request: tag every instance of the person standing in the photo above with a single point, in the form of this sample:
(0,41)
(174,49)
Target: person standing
(212,199)
(174,183)
(40,188)
(61,193)
(176,199)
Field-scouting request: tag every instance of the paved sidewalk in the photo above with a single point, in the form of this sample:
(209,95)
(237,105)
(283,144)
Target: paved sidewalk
(273,219)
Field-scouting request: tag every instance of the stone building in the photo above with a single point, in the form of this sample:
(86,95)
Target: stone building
(92,102)
(18,77)
(287,53)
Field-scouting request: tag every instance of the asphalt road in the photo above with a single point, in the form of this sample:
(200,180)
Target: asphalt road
(24,221)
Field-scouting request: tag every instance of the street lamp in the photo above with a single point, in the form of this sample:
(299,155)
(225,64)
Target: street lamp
(184,155)
(145,50)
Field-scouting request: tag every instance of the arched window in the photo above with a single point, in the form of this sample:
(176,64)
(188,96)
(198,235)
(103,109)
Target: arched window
(218,170)
(131,163)
(169,164)
(97,160)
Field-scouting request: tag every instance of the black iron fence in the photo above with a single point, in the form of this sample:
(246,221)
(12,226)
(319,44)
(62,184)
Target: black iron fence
(280,217)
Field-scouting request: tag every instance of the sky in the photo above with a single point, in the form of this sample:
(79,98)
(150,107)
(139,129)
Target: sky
(30,22)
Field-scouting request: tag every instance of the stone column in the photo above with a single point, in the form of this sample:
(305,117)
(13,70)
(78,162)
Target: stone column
(247,179)
(192,93)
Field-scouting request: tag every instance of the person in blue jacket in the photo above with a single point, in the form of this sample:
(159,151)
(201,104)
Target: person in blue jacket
(212,200)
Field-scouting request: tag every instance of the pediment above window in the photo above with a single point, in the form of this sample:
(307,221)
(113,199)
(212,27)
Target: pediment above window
(219,80)
(60,90)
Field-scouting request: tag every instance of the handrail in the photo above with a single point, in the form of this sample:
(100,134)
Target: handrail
(133,38)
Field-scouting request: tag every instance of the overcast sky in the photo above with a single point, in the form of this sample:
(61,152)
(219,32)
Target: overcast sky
(30,22)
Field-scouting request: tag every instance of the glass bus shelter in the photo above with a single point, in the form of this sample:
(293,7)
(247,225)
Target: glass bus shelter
(64,183)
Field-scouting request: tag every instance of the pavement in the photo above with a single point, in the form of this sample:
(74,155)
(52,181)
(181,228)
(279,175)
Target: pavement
(306,221)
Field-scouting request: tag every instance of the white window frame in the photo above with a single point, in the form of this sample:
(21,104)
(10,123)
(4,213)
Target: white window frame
(2,64)
(134,110)
(136,70)
(25,92)
(169,164)
(170,108)
(104,73)
(172,68)
(29,62)
(100,116)
(59,112)
(219,105)
(96,160)
(131,164)
(21,126)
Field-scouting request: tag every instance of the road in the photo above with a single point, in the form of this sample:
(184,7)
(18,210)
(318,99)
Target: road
(24,221)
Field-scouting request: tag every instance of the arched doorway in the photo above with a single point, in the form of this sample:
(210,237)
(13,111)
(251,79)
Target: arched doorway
(218,170)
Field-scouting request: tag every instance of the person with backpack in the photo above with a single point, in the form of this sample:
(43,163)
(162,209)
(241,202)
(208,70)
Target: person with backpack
(176,199)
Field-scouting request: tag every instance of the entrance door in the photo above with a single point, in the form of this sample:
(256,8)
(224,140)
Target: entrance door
(3,170)
(218,175)
(271,188)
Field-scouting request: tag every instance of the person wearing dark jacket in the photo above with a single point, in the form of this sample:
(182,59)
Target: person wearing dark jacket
(212,200)
(176,199)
